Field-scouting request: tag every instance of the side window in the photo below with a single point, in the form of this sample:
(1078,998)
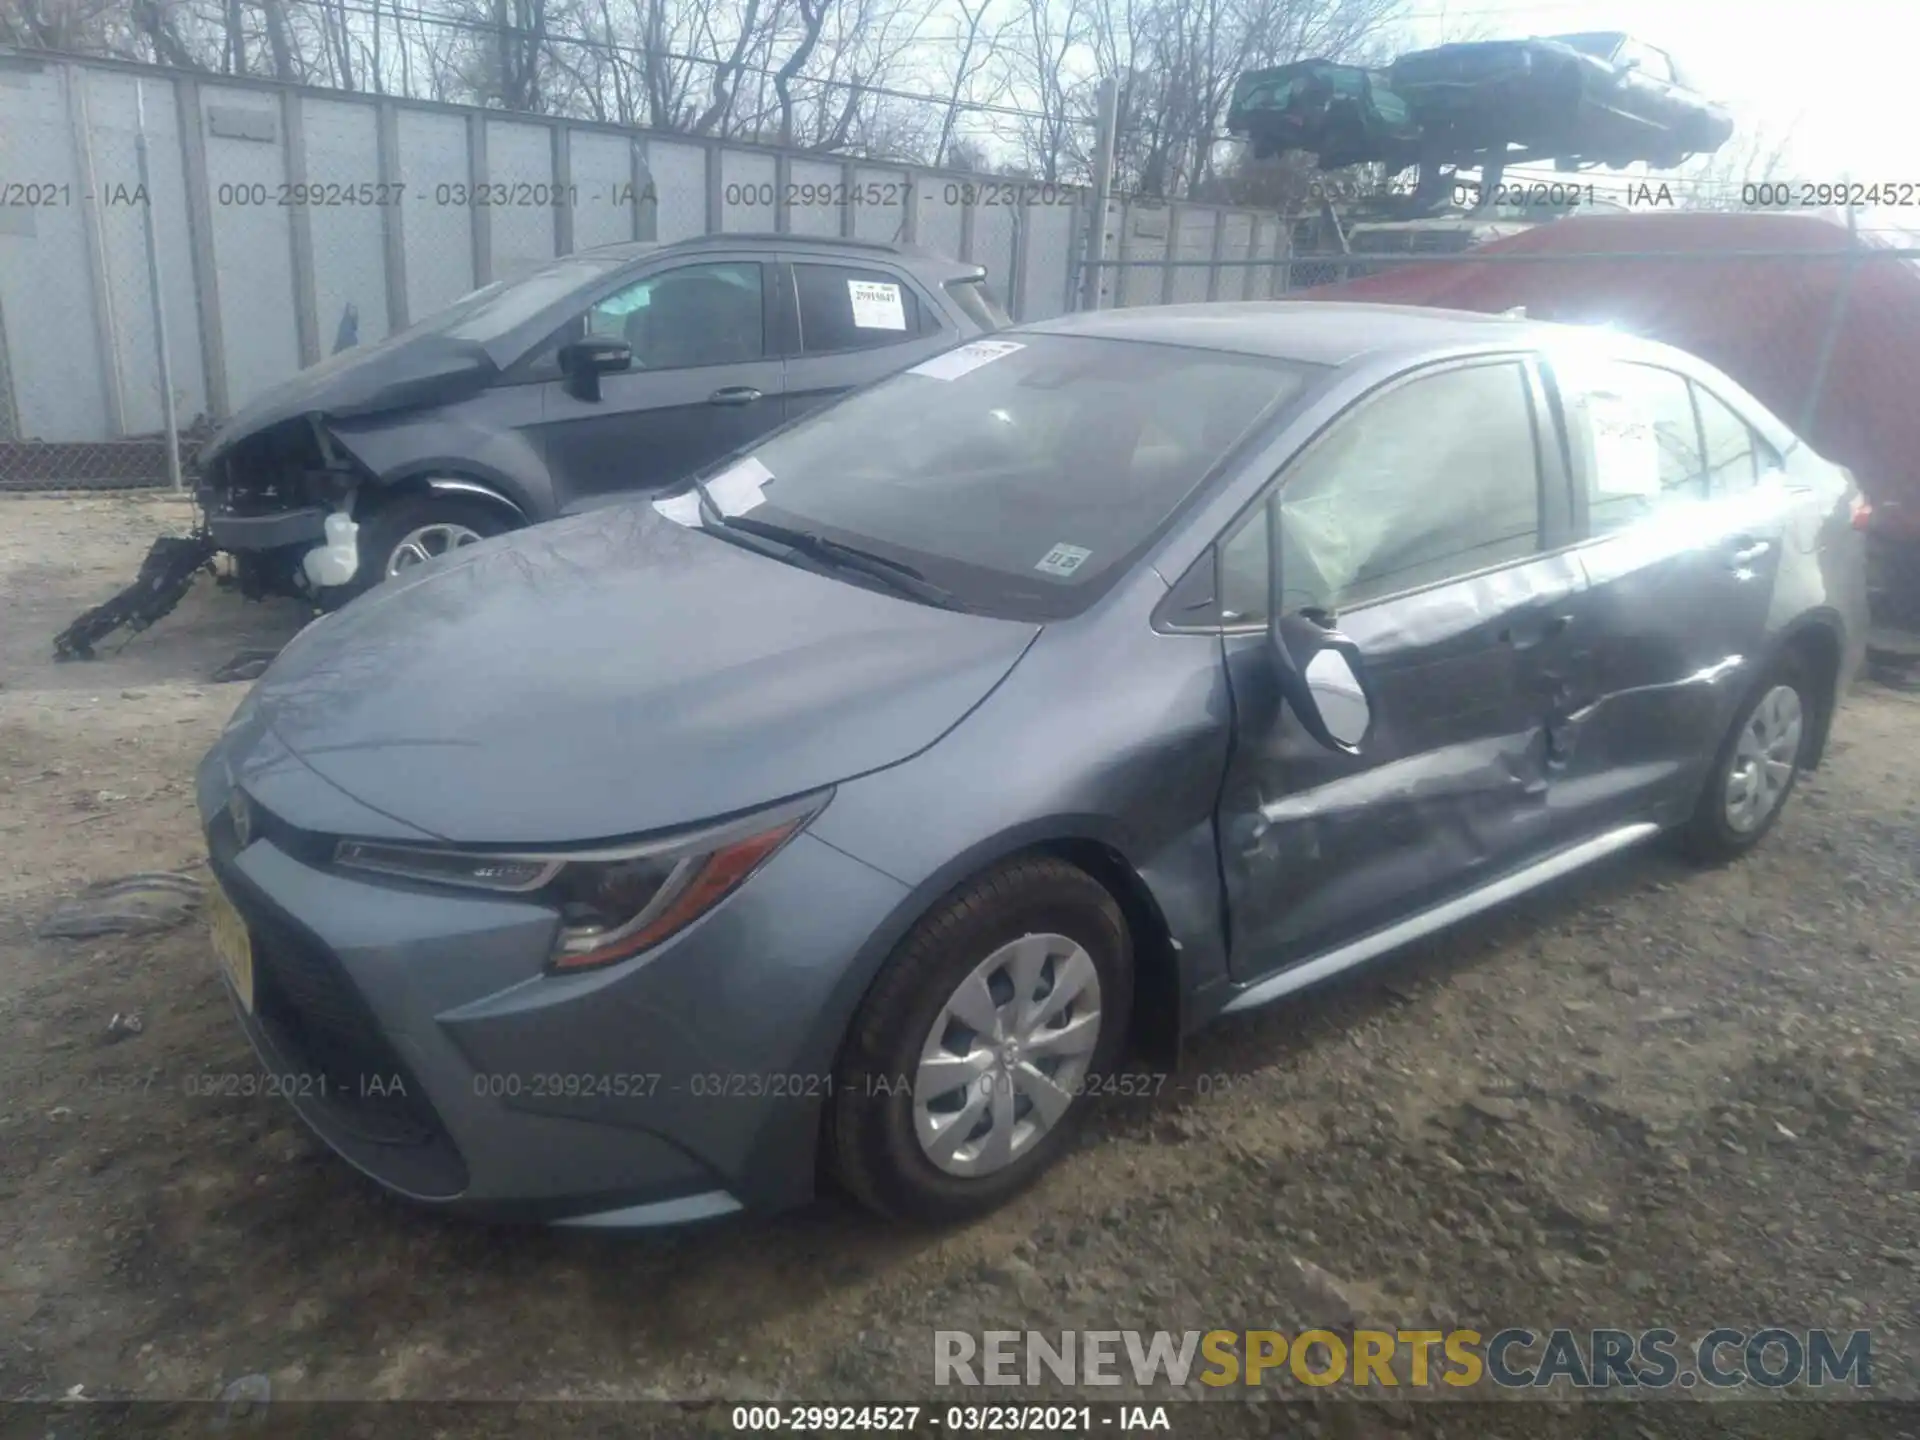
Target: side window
(695,315)
(1243,570)
(1731,449)
(842,308)
(1436,479)
(1634,430)
(1652,63)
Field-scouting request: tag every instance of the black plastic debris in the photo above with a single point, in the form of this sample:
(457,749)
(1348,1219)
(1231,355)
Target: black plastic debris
(165,577)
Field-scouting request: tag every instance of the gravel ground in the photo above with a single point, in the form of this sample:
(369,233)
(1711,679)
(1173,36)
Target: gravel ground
(1652,1096)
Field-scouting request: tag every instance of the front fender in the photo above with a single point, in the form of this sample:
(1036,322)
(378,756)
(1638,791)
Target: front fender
(449,445)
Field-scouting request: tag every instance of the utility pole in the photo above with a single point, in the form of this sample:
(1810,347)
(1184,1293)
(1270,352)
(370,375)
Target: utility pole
(1093,270)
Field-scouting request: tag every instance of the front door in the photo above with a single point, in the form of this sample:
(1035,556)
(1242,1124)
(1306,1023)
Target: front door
(1686,519)
(1425,524)
(704,381)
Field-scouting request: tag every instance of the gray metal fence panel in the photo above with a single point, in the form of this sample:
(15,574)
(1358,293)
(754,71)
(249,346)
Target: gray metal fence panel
(941,199)
(993,227)
(1051,232)
(749,196)
(879,203)
(1236,246)
(680,185)
(815,184)
(602,181)
(439,248)
(1195,242)
(348,243)
(44,281)
(121,218)
(1147,235)
(520,198)
(252,239)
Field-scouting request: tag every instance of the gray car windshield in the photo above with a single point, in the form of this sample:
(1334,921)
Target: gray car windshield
(485,315)
(1025,473)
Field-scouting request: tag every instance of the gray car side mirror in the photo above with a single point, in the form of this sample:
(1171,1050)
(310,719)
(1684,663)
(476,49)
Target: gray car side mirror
(584,361)
(1324,679)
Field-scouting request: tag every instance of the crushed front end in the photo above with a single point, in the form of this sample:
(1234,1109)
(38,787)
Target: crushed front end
(280,502)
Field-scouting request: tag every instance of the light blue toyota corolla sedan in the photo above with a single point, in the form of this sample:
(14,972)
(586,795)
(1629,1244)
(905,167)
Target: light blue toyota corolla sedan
(857,813)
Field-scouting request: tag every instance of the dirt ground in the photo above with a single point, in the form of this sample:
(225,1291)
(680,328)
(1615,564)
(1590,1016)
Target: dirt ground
(1655,1095)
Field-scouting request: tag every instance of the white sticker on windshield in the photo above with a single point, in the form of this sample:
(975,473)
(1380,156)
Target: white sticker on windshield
(969,357)
(681,509)
(736,489)
(876,305)
(1626,452)
(1062,560)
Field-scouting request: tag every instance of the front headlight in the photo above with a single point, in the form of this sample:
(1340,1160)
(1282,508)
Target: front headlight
(612,902)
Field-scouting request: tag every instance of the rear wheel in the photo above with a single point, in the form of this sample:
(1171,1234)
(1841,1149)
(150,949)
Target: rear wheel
(1757,766)
(968,1064)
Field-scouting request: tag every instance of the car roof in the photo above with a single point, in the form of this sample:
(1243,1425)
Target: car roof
(1324,332)
(929,262)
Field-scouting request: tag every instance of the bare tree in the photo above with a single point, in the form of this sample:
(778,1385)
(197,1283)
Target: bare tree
(1754,156)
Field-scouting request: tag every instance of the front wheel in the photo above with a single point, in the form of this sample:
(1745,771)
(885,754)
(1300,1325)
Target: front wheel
(970,1060)
(1756,767)
(409,530)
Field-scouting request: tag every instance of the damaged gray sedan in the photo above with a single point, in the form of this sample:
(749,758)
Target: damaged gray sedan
(855,814)
(616,370)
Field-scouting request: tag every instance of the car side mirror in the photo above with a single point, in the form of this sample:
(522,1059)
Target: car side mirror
(1324,679)
(583,362)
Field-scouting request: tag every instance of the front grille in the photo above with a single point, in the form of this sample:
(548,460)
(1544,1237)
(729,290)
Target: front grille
(322,1024)
(316,1018)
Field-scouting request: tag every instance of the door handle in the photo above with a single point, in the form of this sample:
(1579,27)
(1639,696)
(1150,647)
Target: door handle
(1749,552)
(1528,634)
(734,395)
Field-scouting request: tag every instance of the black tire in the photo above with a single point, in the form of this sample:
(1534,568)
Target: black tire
(871,1144)
(1709,835)
(391,522)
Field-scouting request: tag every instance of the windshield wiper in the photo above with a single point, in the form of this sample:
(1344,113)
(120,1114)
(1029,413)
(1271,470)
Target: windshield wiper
(896,573)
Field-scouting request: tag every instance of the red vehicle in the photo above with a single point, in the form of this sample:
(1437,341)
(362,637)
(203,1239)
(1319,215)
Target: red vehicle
(1822,327)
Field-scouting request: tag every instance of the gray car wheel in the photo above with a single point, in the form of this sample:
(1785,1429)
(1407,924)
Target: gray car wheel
(408,530)
(1757,765)
(969,1062)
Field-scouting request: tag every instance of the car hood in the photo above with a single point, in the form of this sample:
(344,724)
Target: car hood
(612,674)
(403,372)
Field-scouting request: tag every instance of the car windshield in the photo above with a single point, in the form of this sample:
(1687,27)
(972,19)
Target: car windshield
(485,315)
(1022,475)
(1599,43)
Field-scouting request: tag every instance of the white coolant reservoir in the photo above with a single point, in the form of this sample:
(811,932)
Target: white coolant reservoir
(335,562)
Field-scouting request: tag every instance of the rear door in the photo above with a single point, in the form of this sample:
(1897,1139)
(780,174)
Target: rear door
(706,379)
(853,324)
(1681,547)
(1429,522)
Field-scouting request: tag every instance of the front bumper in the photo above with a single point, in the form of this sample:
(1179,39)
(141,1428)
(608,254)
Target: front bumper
(306,525)
(417,1033)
